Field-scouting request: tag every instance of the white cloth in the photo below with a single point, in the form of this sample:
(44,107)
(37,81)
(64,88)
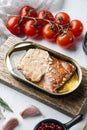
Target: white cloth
(76,9)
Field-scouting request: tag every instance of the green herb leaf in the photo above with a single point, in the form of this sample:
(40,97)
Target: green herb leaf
(5,105)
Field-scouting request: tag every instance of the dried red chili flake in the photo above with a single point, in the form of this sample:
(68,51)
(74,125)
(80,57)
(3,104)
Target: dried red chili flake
(49,126)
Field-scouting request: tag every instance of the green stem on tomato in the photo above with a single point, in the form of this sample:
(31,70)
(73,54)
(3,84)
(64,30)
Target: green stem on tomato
(30,11)
(60,27)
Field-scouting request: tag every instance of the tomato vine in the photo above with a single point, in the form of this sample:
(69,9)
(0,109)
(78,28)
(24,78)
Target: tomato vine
(46,25)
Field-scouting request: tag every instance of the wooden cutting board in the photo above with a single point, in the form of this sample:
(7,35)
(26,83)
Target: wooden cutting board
(70,104)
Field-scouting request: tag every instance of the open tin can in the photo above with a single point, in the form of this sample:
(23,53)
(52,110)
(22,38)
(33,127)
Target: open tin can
(17,51)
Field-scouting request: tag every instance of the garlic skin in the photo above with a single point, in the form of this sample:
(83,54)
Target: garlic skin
(30,111)
(10,124)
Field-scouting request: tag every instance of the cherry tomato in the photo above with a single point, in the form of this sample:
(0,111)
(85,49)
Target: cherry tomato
(76,27)
(27,11)
(62,18)
(49,32)
(32,28)
(45,14)
(13,24)
(66,39)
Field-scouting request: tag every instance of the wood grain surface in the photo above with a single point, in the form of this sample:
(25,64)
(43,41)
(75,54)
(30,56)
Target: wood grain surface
(70,104)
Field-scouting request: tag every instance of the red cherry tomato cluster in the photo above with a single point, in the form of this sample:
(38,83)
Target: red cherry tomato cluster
(59,28)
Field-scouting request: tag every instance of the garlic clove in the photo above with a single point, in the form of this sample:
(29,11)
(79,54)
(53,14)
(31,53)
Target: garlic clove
(30,111)
(10,124)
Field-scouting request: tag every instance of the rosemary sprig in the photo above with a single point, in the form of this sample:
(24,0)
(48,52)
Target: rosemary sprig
(5,105)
